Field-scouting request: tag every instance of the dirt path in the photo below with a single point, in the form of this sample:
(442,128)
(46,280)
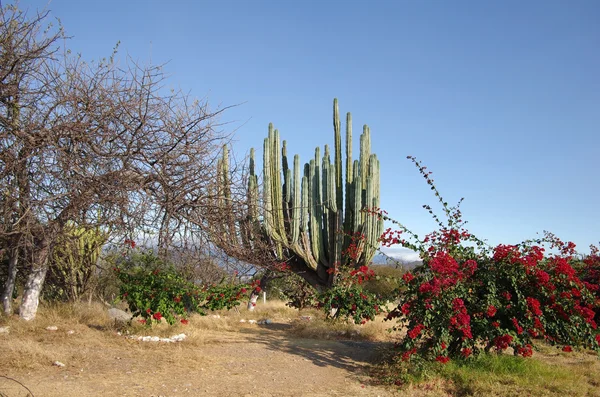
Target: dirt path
(251,361)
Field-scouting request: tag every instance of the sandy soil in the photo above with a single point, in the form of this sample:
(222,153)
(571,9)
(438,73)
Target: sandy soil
(251,361)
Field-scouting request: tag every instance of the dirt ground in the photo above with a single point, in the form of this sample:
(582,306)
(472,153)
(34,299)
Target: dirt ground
(254,360)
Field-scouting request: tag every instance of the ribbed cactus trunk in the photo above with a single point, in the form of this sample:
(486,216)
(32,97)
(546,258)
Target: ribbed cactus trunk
(302,214)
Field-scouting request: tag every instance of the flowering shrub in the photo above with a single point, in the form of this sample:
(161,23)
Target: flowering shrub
(348,299)
(468,297)
(224,296)
(154,290)
(589,272)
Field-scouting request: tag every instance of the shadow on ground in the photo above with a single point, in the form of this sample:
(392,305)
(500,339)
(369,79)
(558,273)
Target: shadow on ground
(349,355)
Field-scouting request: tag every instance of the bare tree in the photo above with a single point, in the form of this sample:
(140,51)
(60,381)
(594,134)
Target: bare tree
(93,143)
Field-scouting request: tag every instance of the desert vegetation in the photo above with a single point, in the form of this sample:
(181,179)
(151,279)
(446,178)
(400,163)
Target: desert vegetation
(117,194)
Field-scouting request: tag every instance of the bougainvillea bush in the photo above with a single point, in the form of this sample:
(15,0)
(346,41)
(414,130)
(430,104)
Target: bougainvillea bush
(155,290)
(469,298)
(347,299)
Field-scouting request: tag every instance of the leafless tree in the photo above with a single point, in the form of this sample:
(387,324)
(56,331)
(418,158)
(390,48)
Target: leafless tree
(91,143)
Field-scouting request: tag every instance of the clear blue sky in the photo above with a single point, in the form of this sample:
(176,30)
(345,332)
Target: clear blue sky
(501,100)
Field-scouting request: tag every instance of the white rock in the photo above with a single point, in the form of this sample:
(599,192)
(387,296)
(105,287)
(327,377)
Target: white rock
(216,316)
(306,318)
(52,328)
(242,321)
(172,339)
(118,314)
(178,338)
(4,330)
(58,364)
(252,321)
(70,332)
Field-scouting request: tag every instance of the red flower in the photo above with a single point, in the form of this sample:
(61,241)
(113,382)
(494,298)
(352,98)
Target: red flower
(416,331)
(408,277)
(142,321)
(177,299)
(405,309)
(257,289)
(502,342)
(491,311)
(567,349)
(495,324)
(243,290)
(444,264)
(538,324)
(542,277)
(466,352)
(525,351)
(406,355)
(148,311)
(506,295)
(534,306)
(157,316)
(517,326)
(184,321)
(598,339)
(442,359)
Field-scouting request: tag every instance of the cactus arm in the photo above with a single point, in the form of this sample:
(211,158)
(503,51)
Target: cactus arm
(339,188)
(296,202)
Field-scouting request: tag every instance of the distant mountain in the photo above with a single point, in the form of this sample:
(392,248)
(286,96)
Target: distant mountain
(407,262)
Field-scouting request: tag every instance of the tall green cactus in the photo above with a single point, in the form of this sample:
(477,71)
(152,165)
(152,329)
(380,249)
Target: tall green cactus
(302,216)
(74,261)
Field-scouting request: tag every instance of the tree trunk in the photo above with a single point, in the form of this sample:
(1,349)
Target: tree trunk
(35,282)
(261,286)
(9,286)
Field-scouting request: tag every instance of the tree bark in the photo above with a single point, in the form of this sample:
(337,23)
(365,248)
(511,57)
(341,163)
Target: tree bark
(261,286)
(9,286)
(35,282)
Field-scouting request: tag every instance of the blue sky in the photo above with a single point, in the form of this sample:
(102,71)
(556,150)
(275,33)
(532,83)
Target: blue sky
(501,100)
